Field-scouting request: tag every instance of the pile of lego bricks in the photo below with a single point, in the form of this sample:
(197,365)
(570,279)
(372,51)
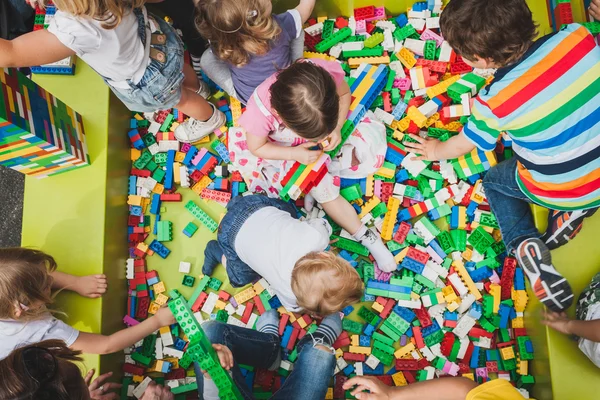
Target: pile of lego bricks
(66,66)
(455,304)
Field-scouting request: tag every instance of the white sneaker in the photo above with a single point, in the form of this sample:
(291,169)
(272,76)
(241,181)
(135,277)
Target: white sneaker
(193,130)
(204,90)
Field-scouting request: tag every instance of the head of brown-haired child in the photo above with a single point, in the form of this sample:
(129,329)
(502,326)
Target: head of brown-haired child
(25,283)
(324,283)
(237,29)
(488,33)
(305,98)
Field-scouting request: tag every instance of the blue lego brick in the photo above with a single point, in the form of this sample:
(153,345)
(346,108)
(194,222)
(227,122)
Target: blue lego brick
(287,333)
(405,313)
(155,228)
(132,185)
(519,280)
(454,218)
(480,274)
(450,316)
(364,340)
(368,297)
(474,362)
(412,265)
(179,344)
(475,311)
(169,170)
(404,215)
(369,371)
(421,6)
(250,379)
(393,156)
(504,312)
(274,302)
(471,209)
(399,110)
(348,370)
(135,210)
(133,123)
(155,204)
(434,327)
(53,70)
(189,156)
(368,330)
(401,176)
(347,310)
(159,249)
(436,247)
(473,178)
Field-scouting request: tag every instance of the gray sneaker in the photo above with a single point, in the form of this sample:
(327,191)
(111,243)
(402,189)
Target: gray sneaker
(193,130)
(204,90)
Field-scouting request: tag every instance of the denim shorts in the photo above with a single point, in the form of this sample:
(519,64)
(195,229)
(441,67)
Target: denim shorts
(160,86)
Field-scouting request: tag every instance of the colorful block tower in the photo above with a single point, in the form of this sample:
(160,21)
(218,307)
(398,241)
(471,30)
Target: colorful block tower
(39,134)
(63,67)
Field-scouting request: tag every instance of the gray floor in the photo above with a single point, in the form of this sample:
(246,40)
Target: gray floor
(11,206)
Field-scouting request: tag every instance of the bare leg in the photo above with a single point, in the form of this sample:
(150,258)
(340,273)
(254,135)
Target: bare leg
(343,214)
(190,80)
(194,105)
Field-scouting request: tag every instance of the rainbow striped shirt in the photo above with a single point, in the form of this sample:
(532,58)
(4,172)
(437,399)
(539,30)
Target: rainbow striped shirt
(549,104)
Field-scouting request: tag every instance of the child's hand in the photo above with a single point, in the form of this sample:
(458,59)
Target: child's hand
(92,286)
(225,357)
(378,390)
(425,147)
(334,139)
(559,322)
(303,155)
(157,392)
(99,390)
(164,316)
(595,9)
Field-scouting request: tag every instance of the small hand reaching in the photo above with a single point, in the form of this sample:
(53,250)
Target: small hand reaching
(99,388)
(557,321)
(425,147)
(303,155)
(333,140)
(92,286)
(368,388)
(225,357)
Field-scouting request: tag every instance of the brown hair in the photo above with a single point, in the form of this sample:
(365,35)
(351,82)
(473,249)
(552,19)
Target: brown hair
(305,97)
(25,280)
(67,382)
(237,29)
(497,30)
(325,283)
(110,12)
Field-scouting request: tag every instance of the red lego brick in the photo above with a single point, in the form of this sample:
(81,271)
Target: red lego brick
(406,365)
(142,307)
(402,232)
(259,305)
(417,255)
(354,357)
(247,312)
(418,337)
(292,342)
(508,275)
(170,197)
(447,343)
(364,12)
(283,322)
(199,302)
(387,379)
(177,373)
(133,369)
(423,317)
(341,22)
(387,309)
(342,340)
(143,173)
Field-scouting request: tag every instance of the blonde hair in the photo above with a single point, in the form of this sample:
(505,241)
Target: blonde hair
(325,283)
(25,282)
(109,12)
(237,29)
(67,382)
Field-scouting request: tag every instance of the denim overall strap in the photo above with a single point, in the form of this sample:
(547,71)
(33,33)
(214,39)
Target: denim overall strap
(143,25)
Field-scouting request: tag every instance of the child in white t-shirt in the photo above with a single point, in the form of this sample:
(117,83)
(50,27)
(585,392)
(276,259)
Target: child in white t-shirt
(140,58)
(587,325)
(27,278)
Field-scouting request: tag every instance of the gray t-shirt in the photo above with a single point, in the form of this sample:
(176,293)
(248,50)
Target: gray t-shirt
(14,333)
(259,68)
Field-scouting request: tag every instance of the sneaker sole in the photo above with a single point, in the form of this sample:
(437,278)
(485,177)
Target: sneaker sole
(548,284)
(567,231)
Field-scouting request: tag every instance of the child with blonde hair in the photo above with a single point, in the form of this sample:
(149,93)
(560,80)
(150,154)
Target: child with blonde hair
(295,110)
(260,236)
(140,58)
(248,43)
(27,278)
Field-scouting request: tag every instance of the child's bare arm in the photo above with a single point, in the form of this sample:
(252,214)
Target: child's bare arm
(343,91)
(305,8)
(433,149)
(261,147)
(34,48)
(92,286)
(589,330)
(93,343)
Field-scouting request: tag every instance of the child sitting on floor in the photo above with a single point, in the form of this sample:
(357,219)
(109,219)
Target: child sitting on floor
(140,58)
(27,278)
(290,113)
(260,236)
(248,43)
(587,325)
(545,97)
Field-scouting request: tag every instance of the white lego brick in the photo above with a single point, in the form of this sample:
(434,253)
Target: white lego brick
(198,316)
(210,303)
(464,346)
(427,353)
(172,383)
(184,177)
(252,321)
(464,325)
(166,145)
(230,309)
(372,361)
(353,46)
(432,23)
(129,269)
(445,52)
(388,40)
(415,167)
(185,267)
(358,369)
(240,310)
(315,29)
(352,25)
(336,51)
(128,359)
(341,363)
(413,303)
(234,321)
(458,284)
(416,46)
(429,108)
(141,388)
(418,23)
(286,365)
(130,389)
(386,25)
(437,268)
(171,352)
(154,148)
(397,67)
(484,342)
(384,116)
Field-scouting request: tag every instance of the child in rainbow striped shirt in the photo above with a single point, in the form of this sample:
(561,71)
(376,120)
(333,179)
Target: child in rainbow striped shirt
(545,95)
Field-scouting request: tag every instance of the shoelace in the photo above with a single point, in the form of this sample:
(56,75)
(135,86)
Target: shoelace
(321,342)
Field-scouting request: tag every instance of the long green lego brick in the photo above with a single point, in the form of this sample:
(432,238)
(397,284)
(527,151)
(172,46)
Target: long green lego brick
(332,40)
(350,245)
(347,130)
(376,51)
(185,388)
(203,217)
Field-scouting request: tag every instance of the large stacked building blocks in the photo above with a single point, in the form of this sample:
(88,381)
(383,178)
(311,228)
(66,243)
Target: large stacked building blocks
(454,306)
(39,134)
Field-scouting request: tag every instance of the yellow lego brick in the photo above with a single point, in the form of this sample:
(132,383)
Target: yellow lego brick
(370,186)
(416,116)
(386,172)
(339,353)
(153,308)
(137,378)
(495,291)
(220,305)
(432,120)
(310,54)
(360,350)
(369,205)
(201,184)
(441,87)
(159,188)
(236,109)
(402,125)
(176,176)
(459,267)
(467,254)
(522,367)
(356,61)
(518,322)
(452,306)
(377,307)
(507,353)
(135,154)
(520,299)
(329,394)
(142,247)
(407,58)
(469,376)
(258,288)
(399,379)
(161,299)
(179,156)
(354,340)
(414,296)
(321,19)
(244,295)
(133,200)
(399,136)
(387,229)
(138,117)
(404,350)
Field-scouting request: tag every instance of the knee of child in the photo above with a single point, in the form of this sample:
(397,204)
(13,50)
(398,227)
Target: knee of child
(213,331)
(323,348)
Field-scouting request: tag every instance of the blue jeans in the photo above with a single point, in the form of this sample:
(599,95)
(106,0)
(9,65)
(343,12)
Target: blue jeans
(161,85)
(238,211)
(308,380)
(509,204)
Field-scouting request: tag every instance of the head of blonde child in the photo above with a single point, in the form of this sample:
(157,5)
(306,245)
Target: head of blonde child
(110,12)
(237,29)
(324,283)
(25,283)
(305,97)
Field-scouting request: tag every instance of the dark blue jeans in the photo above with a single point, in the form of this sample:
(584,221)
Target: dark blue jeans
(308,380)
(509,204)
(238,211)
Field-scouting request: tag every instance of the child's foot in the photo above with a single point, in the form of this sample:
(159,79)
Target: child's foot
(212,257)
(372,241)
(193,130)
(204,90)
(269,323)
(329,330)
(548,285)
(564,226)
(92,286)
(309,202)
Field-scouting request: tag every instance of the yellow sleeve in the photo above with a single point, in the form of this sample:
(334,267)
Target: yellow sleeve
(498,389)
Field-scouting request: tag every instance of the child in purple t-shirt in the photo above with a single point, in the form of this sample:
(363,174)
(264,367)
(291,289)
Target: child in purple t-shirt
(248,43)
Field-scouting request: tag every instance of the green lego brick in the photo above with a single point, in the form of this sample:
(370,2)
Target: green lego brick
(352,326)
(203,217)
(332,40)
(185,388)
(366,314)
(350,245)
(167,123)
(190,229)
(142,359)
(164,231)
(188,280)
(215,284)
(376,51)
(351,193)
(160,158)
(328,25)
(144,159)
(378,210)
